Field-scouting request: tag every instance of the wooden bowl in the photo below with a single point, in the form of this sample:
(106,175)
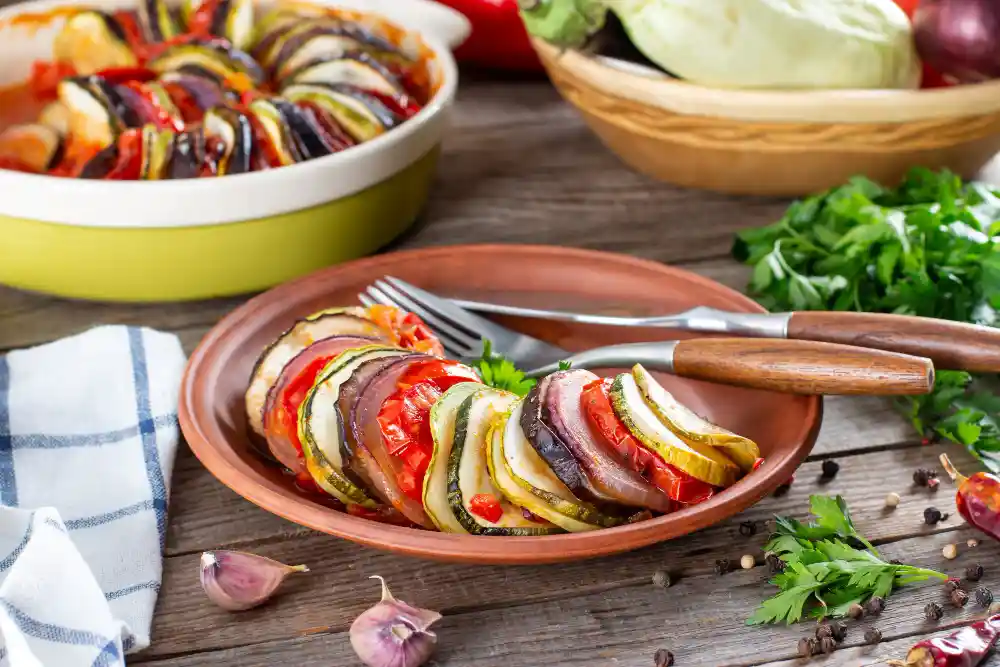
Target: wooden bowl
(213,419)
(774,143)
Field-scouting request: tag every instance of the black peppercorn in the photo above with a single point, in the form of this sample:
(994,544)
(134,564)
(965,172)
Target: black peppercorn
(823,631)
(974,572)
(921,476)
(806,647)
(855,611)
(952,585)
(774,563)
(839,631)
(722,566)
(748,529)
(959,597)
(933,611)
(932,515)
(663,658)
(830,469)
(873,636)
(984,597)
(827,645)
(874,606)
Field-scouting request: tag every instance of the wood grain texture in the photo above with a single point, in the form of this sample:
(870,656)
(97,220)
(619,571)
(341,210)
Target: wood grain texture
(337,588)
(950,345)
(803,367)
(699,619)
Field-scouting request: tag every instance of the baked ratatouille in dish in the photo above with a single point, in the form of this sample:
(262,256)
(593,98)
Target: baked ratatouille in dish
(360,405)
(210,88)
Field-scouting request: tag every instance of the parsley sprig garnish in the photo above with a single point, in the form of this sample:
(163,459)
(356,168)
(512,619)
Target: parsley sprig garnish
(500,372)
(828,567)
(929,247)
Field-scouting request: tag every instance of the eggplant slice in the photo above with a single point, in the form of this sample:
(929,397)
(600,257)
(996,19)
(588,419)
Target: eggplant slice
(36,146)
(101,164)
(357,68)
(276,127)
(204,90)
(234,136)
(188,155)
(363,116)
(221,60)
(156,21)
(321,41)
(92,41)
(307,137)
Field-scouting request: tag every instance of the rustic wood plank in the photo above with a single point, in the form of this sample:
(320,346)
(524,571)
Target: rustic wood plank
(699,620)
(337,590)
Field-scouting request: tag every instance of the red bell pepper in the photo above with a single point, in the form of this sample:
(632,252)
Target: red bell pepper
(499,39)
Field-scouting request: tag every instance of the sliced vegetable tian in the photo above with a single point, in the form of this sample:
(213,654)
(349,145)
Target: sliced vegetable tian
(210,89)
(361,406)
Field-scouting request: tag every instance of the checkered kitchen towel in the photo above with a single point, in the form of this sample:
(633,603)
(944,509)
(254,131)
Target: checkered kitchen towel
(88,434)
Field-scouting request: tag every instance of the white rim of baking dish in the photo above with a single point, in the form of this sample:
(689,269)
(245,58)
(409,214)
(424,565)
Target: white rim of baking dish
(241,197)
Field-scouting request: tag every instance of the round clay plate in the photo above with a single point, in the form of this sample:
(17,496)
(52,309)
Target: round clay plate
(213,418)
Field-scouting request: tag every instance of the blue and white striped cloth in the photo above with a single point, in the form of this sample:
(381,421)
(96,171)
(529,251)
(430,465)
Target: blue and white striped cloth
(88,435)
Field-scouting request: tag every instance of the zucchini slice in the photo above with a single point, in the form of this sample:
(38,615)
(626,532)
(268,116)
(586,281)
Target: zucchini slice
(468,469)
(157,151)
(363,116)
(321,427)
(696,459)
(36,146)
(223,62)
(234,134)
(357,68)
(443,416)
(692,428)
(92,41)
(56,116)
(547,497)
(302,334)
(276,127)
(92,117)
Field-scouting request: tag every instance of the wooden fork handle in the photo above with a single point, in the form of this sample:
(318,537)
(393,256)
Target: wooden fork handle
(802,367)
(950,345)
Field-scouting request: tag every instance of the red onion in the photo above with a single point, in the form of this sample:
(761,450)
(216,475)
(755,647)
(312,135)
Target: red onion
(959,38)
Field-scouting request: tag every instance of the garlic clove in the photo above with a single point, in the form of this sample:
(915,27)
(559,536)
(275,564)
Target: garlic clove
(394,634)
(237,580)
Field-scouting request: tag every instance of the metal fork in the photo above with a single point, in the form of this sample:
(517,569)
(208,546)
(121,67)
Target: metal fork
(802,367)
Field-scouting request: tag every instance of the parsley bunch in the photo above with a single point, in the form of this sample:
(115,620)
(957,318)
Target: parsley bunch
(828,567)
(500,372)
(928,247)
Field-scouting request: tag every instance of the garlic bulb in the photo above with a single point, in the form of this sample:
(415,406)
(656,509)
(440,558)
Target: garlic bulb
(235,580)
(394,634)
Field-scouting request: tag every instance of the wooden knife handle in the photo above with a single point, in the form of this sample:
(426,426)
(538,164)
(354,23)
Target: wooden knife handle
(950,345)
(802,367)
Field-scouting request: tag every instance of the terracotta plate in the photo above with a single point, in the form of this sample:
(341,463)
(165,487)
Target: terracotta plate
(214,421)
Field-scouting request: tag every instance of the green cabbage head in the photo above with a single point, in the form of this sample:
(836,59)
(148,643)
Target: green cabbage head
(757,44)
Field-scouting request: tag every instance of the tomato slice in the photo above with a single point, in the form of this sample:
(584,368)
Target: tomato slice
(46,76)
(407,329)
(200,22)
(404,418)
(117,75)
(14,164)
(129,164)
(404,105)
(486,506)
(677,484)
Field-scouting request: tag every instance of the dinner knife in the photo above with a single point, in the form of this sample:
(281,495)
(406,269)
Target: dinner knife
(950,345)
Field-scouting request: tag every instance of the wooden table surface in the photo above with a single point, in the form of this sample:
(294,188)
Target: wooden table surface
(521,168)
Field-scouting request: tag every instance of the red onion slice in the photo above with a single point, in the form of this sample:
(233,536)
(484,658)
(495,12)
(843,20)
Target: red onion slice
(564,410)
(380,467)
(280,428)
